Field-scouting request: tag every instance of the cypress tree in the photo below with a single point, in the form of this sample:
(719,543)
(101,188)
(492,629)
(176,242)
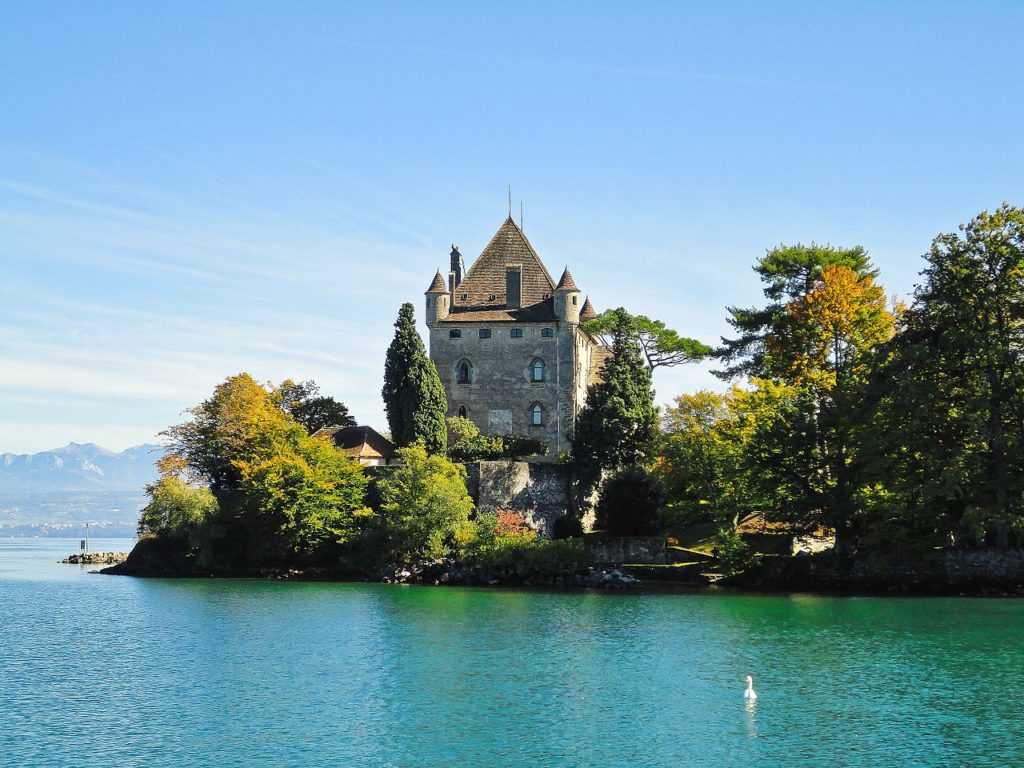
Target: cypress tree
(616,427)
(414,397)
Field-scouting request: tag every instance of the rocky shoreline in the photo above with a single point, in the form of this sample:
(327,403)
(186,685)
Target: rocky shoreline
(96,558)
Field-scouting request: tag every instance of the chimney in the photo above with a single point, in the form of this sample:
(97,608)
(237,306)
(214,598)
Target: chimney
(513,286)
(456,267)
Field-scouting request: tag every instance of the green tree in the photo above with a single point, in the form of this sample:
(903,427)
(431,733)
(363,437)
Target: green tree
(950,396)
(176,508)
(789,273)
(414,398)
(616,427)
(280,492)
(304,403)
(424,503)
(661,346)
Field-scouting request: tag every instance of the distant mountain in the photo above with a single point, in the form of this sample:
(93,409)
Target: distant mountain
(79,467)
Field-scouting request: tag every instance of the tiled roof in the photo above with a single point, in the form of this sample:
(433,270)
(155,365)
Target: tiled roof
(542,312)
(597,361)
(486,278)
(588,312)
(438,285)
(359,442)
(566,283)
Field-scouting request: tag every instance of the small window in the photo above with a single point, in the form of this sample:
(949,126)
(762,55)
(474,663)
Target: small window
(547,296)
(516,333)
(547,333)
(485,333)
(465,297)
(462,411)
(537,415)
(455,333)
(574,300)
(537,370)
(463,373)
(492,297)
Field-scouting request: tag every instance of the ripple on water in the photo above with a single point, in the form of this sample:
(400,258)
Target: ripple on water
(239,673)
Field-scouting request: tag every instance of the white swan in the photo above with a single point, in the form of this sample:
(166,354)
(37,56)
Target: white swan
(749,694)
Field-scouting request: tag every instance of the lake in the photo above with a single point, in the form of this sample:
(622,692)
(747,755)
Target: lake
(130,672)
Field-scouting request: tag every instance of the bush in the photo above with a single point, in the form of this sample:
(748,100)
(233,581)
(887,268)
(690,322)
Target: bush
(629,503)
(734,556)
(467,444)
(425,506)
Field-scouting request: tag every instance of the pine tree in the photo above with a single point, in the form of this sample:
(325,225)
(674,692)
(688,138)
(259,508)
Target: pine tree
(414,397)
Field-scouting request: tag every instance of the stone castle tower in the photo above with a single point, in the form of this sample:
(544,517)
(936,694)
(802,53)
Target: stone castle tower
(507,342)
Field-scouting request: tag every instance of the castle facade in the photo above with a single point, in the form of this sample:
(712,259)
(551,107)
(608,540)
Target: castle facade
(507,343)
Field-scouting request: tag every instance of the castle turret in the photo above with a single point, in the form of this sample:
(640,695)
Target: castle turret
(588,312)
(567,299)
(438,301)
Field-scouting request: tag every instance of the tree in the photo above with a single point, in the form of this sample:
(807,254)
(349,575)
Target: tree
(789,274)
(950,396)
(423,503)
(176,508)
(280,492)
(616,427)
(661,346)
(414,397)
(304,403)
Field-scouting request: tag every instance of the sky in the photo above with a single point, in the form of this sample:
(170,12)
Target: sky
(191,190)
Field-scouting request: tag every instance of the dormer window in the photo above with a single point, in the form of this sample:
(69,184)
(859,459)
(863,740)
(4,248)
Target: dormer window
(455,333)
(465,297)
(547,333)
(492,297)
(485,333)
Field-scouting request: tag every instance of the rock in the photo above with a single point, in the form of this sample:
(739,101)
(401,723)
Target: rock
(96,558)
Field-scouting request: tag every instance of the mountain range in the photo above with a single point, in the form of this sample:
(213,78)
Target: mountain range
(79,467)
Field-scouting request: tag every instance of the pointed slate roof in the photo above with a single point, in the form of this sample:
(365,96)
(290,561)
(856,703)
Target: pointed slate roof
(566,283)
(486,278)
(587,312)
(438,285)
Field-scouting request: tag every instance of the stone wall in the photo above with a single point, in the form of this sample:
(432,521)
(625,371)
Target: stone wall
(500,394)
(541,492)
(616,550)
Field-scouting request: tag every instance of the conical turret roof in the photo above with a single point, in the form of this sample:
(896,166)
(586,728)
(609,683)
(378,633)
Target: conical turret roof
(587,312)
(438,285)
(566,283)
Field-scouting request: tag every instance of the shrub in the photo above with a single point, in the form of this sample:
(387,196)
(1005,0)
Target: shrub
(734,556)
(629,503)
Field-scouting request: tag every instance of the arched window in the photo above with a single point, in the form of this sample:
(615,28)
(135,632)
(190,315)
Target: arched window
(463,372)
(537,370)
(537,415)
(462,411)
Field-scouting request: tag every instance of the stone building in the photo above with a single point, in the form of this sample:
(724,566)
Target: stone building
(507,342)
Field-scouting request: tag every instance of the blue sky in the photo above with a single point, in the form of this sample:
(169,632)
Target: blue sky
(192,190)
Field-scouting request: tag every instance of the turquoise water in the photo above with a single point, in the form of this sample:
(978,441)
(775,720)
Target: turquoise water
(133,672)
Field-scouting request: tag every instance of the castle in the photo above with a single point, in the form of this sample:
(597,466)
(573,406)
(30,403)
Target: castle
(507,342)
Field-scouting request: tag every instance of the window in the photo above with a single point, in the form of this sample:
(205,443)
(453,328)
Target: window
(485,333)
(462,412)
(537,415)
(547,333)
(455,333)
(463,372)
(516,333)
(574,300)
(537,370)
(492,297)
(465,297)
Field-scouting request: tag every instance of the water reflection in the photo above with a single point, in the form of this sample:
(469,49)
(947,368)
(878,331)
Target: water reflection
(750,705)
